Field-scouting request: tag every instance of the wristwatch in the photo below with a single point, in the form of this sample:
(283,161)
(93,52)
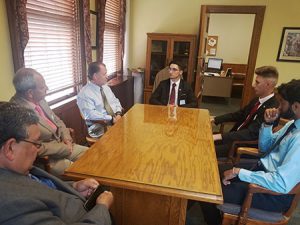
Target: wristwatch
(118,113)
(269,123)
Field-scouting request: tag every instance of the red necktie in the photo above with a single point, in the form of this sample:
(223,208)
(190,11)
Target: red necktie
(42,114)
(250,115)
(172,96)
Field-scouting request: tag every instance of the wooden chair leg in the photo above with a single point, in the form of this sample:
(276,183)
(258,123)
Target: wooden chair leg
(229,219)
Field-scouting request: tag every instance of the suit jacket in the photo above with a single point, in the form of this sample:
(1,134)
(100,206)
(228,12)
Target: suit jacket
(251,130)
(27,202)
(52,141)
(161,95)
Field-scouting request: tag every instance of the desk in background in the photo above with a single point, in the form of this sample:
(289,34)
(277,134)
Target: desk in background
(154,159)
(217,86)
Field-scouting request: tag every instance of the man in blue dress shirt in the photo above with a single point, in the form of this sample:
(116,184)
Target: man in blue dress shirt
(96,100)
(277,170)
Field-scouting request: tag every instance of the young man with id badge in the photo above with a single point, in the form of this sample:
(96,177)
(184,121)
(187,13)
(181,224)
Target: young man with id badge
(174,91)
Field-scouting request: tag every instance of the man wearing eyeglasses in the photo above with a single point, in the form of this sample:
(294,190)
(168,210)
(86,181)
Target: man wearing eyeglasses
(29,195)
(174,91)
(57,142)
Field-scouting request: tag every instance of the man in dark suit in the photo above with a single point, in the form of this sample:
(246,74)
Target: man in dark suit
(29,195)
(248,120)
(174,91)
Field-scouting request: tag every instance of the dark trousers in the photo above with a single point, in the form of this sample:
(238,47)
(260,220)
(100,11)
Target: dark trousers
(223,147)
(236,192)
(222,150)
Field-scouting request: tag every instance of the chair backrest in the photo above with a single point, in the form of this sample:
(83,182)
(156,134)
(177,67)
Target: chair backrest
(161,75)
(199,94)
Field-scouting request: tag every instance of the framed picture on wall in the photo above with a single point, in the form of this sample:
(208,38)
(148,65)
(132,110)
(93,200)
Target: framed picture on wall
(94,27)
(289,48)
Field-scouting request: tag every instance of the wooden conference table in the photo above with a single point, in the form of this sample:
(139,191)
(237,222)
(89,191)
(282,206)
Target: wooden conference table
(154,160)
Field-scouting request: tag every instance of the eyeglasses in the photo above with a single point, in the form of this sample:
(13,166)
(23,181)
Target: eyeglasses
(173,69)
(36,144)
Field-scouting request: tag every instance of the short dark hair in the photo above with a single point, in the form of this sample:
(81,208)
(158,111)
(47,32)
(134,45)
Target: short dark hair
(282,91)
(94,67)
(267,72)
(180,66)
(290,91)
(14,121)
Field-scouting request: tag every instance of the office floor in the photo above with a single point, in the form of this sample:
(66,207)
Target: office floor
(219,106)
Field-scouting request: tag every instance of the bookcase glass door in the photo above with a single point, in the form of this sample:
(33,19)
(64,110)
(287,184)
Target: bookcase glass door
(158,58)
(181,54)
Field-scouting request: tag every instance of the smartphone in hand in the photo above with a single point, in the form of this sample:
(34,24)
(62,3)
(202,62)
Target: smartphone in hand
(91,201)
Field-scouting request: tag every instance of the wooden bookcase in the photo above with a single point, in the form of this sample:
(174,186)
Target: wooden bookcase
(163,48)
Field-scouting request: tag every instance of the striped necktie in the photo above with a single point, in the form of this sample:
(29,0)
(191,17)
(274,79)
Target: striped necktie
(106,104)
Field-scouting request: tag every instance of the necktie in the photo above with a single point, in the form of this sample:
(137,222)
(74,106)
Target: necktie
(43,180)
(42,114)
(250,115)
(288,130)
(106,104)
(172,96)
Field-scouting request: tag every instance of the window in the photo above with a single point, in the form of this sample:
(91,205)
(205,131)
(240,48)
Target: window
(53,46)
(112,48)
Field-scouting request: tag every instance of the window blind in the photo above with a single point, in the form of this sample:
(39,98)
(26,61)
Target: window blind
(112,49)
(53,47)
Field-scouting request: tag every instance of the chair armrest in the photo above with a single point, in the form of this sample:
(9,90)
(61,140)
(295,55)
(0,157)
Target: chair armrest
(247,151)
(233,154)
(252,189)
(222,126)
(102,122)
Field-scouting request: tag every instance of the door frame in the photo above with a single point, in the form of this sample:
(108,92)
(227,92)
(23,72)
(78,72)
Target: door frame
(259,12)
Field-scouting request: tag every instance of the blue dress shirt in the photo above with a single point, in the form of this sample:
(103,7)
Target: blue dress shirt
(43,180)
(91,106)
(282,164)
(90,103)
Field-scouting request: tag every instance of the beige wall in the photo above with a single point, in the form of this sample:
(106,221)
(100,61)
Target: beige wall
(234,33)
(179,16)
(279,14)
(6,65)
